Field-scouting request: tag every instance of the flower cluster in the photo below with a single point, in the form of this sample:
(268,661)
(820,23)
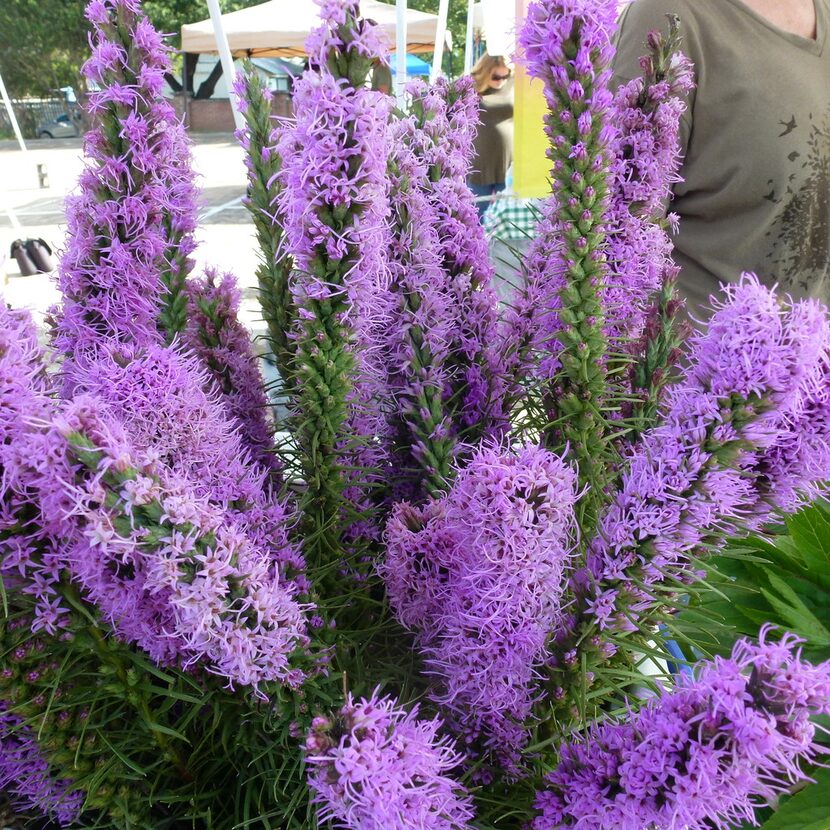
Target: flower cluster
(220,341)
(333,206)
(687,482)
(419,341)
(447,115)
(167,569)
(646,115)
(700,757)
(26,778)
(32,558)
(568,46)
(377,766)
(478,575)
(130,226)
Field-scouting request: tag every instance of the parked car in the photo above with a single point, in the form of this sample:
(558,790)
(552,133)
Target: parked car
(61,127)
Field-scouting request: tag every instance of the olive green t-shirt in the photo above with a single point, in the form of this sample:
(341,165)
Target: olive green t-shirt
(756,140)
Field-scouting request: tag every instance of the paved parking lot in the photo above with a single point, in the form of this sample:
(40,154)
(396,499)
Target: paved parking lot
(225,233)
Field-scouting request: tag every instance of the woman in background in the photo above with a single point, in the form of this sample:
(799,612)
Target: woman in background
(494,141)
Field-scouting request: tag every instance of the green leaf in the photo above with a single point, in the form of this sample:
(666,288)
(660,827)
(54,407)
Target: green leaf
(795,612)
(807,810)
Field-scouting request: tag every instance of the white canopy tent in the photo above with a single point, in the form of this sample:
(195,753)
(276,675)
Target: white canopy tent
(279,28)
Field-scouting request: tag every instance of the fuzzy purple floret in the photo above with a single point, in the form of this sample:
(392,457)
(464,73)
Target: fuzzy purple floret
(702,757)
(222,344)
(25,775)
(135,211)
(376,766)
(168,570)
(32,557)
(646,159)
(478,576)
(691,480)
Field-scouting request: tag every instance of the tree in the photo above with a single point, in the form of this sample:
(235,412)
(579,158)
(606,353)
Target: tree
(456,25)
(43,43)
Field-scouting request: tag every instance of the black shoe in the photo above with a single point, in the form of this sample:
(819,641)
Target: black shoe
(24,261)
(41,254)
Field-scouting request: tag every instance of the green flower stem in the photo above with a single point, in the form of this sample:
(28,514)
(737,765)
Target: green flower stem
(656,356)
(574,402)
(263,191)
(426,423)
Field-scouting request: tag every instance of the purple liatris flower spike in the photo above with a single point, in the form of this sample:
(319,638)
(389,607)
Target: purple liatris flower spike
(646,115)
(167,569)
(690,481)
(568,45)
(170,409)
(32,556)
(375,766)
(447,118)
(217,337)
(420,335)
(333,206)
(25,776)
(702,757)
(130,226)
(478,575)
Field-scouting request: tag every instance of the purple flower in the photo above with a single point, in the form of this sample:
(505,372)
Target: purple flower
(375,766)
(701,757)
(25,776)
(168,570)
(578,98)
(171,411)
(645,115)
(478,576)
(334,209)
(222,344)
(32,556)
(130,227)
(690,481)
(447,118)
(422,322)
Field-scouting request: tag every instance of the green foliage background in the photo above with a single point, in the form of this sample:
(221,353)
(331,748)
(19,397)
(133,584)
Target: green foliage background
(43,42)
(784,579)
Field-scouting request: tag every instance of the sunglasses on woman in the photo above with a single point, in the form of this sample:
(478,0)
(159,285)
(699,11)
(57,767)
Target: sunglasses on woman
(496,77)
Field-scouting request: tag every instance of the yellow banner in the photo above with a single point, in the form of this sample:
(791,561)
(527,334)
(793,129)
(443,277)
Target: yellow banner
(530,165)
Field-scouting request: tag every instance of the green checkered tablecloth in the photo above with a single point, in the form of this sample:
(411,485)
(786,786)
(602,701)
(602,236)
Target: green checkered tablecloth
(511,218)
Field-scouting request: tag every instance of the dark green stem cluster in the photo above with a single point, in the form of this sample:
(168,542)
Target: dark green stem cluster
(263,192)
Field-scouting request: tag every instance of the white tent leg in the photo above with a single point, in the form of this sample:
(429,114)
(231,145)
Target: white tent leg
(440,39)
(12,117)
(400,51)
(225,57)
(468,41)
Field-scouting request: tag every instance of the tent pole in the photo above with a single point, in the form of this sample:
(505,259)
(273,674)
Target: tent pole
(225,57)
(468,41)
(400,51)
(12,117)
(440,39)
